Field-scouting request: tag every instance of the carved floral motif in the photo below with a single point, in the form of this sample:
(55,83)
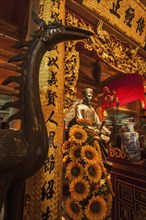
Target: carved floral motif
(108,48)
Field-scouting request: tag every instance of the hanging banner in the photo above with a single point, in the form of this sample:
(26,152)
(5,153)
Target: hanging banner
(129,17)
(43,193)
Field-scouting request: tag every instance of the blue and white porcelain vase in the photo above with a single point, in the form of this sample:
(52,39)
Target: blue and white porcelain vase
(131,143)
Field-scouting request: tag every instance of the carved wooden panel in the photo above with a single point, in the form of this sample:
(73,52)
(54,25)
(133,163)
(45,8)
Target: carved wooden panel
(130,195)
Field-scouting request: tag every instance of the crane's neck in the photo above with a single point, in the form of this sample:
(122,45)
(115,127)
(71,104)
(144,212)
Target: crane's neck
(33,118)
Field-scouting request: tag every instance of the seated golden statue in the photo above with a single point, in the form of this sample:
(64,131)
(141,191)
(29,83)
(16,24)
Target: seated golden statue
(87,191)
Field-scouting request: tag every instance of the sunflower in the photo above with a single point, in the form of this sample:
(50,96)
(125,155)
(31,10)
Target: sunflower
(73,209)
(75,152)
(93,171)
(78,134)
(89,154)
(96,208)
(79,189)
(74,170)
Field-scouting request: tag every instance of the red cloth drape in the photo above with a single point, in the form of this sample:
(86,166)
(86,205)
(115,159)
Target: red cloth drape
(128,88)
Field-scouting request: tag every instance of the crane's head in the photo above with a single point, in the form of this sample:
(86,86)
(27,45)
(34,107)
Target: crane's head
(55,32)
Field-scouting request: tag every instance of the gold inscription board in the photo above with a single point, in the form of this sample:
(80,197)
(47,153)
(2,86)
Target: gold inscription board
(128,16)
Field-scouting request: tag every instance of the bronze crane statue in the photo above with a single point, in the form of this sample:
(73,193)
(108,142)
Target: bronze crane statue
(23,152)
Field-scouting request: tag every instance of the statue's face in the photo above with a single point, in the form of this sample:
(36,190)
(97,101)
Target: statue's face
(88,95)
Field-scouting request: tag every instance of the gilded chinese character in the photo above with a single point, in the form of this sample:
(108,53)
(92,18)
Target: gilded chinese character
(140,26)
(52,79)
(129,16)
(51,139)
(47,190)
(51,97)
(46,215)
(115,8)
(51,120)
(49,164)
(53,62)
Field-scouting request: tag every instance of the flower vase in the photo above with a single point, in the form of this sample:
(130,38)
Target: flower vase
(131,143)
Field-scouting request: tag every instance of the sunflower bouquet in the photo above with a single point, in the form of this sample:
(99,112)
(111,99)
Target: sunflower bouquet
(87,191)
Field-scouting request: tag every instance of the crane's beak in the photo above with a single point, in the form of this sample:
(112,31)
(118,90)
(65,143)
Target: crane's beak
(76,33)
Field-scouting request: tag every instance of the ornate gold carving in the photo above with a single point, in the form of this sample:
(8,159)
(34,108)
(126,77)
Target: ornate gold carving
(126,16)
(72,63)
(108,48)
(71,74)
(115,53)
(115,152)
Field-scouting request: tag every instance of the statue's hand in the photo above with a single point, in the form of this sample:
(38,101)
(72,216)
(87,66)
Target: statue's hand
(105,138)
(105,131)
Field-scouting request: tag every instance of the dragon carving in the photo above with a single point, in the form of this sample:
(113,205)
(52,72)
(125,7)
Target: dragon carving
(22,152)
